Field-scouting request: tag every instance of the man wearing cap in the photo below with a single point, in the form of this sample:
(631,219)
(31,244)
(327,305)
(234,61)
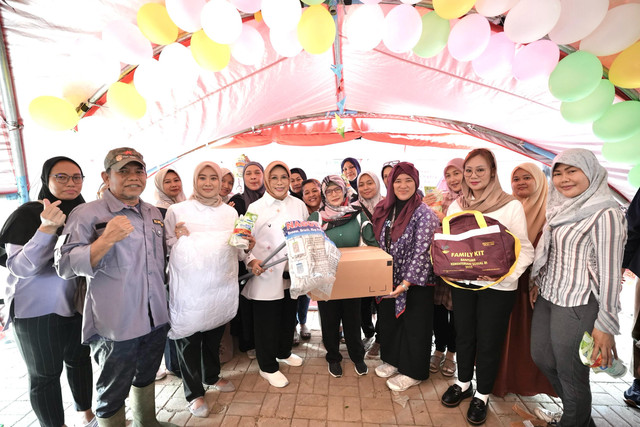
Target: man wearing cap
(117,243)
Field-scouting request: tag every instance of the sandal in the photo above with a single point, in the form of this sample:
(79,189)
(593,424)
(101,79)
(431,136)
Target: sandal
(305,334)
(449,368)
(435,363)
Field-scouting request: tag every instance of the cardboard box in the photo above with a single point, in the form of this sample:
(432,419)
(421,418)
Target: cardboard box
(362,272)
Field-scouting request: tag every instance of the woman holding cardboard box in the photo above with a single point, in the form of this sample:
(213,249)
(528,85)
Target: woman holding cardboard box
(404,227)
(347,226)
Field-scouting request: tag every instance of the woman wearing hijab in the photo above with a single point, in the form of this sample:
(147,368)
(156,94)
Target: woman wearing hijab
(481,317)
(584,228)
(350,168)
(386,170)
(47,323)
(444,330)
(226,185)
(297,177)
(242,324)
(517,373)
(347,226)
(201,303)
(404,227)
(368,197)
(274,312)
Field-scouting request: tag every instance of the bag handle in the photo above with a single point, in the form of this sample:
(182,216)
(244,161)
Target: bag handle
(446,229)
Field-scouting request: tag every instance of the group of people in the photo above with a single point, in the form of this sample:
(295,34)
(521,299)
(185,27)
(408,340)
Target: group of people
(134,281)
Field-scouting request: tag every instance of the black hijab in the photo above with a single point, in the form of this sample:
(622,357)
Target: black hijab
(303,175)
(249,196)
(23,223)
(356,164)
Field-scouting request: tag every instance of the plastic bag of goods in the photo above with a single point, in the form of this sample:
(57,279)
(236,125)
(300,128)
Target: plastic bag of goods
(242,228)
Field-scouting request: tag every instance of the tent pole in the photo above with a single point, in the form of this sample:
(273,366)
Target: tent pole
(13,126)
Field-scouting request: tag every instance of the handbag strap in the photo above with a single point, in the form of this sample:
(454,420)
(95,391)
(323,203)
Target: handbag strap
(446,229)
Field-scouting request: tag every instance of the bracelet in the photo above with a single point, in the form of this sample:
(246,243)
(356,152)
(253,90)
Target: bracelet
(406,288)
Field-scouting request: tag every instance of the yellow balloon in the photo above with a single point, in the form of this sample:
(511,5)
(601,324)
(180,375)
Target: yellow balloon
(125,100)
(209,54)
(316,30)
(625,69)
(156,25)
(53,113)
(450,9)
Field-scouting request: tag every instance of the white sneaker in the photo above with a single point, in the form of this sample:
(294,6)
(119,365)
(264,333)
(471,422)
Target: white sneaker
(277,379)
(202,411)
(293,360)
(547,416)
(251,354)
(385,370)
(401,382)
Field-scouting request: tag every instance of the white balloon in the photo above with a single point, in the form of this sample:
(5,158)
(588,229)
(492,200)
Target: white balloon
(362,26)
(247,6)
(469,37)
(281,14)
(402,28)
(618,30)
(578,19)
(149,80)
(494,7)
(179,69)
(186,13)
(249,48)
(410,1)
(125,41)
(530,20)
(285,42)
(370,1)
(221,21)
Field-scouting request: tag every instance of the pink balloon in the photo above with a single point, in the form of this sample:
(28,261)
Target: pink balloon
(124,41)
(497,58)
(402,28)
(247,6)
(186,13)
(249,48)
(535,60)
(469,37)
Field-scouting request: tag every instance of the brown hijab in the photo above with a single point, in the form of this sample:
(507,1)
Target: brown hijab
(493,196)
(214,200)
(536,204)
(267,183)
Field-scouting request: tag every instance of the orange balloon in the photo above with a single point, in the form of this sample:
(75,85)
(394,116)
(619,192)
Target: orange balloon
(625,69)
(258,16)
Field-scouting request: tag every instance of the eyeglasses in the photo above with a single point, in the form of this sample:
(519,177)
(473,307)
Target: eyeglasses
(392,163)
(480,172)
(63,178)
(333,190)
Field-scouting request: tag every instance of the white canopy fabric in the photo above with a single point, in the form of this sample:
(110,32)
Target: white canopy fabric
(52,45)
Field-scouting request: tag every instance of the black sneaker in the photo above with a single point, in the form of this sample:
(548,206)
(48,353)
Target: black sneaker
(361,368)
(335,369)
(477,413)
(454,395)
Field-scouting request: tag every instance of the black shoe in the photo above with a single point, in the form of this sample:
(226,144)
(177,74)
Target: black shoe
(477,413)
(454,395)
(362,368)
(335,369)
(632,395)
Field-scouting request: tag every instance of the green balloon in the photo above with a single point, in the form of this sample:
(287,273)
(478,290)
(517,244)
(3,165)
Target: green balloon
(312,2)
(619,121)
(592,107)
(634,176)
(576,76)
(435,34)
(627,151)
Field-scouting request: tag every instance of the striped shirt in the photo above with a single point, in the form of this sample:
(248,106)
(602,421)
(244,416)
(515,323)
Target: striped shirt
(584,258)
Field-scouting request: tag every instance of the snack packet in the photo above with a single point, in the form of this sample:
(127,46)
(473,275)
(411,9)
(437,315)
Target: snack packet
(437,206)
(241,228)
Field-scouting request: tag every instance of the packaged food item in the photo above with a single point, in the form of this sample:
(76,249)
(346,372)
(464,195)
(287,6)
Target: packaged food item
(617,368)
(437,206)
(242,228)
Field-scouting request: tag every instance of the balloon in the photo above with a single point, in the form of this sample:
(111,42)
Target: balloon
(625,69)
(53,113)
(619,121)
(186,13)
(530,20)
(575,77)
(285,42)
(370,1)
(592,107)
(408,1)
(450,9)
(249,48)
(125,100)
(590,14)
(618,30)
(626,151)
(247,6)
(126,43)
(281,14)
(362,26)
(634,176)
(221,21)
(316,30)
(497,58)
(494,7)
(179,68)
(402,28)
(312,2)
(435,34)
(209,54)
(535,60)
(469,37)
(155,24)
(149,80)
